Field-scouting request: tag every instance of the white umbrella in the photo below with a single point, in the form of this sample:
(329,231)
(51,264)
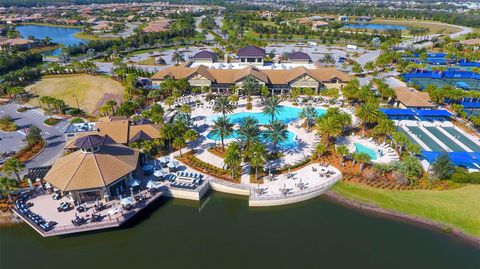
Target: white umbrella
(159,173)
(173,164)
(151,185)
(127,201)
(133,183)
(164,159)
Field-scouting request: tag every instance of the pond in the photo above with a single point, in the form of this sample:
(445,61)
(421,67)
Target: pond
(374,26)
(60,35)
(223,232)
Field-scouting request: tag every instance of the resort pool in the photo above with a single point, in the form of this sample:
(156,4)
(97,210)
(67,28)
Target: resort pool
(360,148)
(373,26)
(289,143)
(286,115)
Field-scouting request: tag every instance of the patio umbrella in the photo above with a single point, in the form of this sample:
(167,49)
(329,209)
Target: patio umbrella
(147,167)
(133,183)
(164,159)
(151,185)
(127,201)
(173,164)
(159,173)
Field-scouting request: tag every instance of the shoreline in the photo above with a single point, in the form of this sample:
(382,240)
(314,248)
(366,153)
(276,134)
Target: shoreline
(398,216)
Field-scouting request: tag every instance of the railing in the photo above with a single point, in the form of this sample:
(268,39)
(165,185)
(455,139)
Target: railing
(255,196)
(230,184)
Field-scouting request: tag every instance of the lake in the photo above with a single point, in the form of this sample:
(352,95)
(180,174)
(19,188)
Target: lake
(60,35)
(223,232)
(379,27)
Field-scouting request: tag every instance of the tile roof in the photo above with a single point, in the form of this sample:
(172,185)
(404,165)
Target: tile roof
(90,170)
(298,55)
(273,76)
(251,51)
(413,98)
(205,54)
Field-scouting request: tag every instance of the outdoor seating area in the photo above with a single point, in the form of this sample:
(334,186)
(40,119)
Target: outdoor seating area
(312,177)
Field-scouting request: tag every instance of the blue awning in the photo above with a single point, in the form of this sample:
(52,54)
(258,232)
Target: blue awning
(470,104)
(465,159)
(397,112)
(432,113)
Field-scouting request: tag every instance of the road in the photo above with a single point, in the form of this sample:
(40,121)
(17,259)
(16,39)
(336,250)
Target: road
(53,135)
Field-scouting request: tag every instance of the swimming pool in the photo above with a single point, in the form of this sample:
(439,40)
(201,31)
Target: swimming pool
(360,148)
(286,115)
(289,143)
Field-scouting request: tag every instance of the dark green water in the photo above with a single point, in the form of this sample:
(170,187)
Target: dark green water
(226,233)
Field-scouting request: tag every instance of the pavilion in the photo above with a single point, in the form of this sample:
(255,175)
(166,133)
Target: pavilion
(100,169)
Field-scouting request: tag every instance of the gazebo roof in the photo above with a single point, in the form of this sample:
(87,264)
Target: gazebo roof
(88,141)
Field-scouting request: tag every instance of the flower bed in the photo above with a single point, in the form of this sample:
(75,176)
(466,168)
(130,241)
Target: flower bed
(218,151)
(51,121)
(27,152)
(22,109)
(197,164)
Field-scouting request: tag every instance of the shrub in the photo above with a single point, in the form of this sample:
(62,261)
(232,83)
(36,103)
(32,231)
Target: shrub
(22,109)
(7,124)
(461,175)
(51,121)
(77,120)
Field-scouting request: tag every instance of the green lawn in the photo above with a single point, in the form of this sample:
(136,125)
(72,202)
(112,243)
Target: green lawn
(459,208)
(85,36)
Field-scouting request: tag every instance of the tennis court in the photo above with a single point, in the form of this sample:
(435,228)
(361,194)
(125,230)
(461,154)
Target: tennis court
(466,83)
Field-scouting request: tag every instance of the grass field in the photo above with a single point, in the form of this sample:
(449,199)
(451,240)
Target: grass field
(85,36)
(434,27)
(459,208)
(89,89)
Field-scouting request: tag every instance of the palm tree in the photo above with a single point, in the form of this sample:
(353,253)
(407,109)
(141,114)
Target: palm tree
(272,107)
(368,113)
(13,166)
(190,136)
(233,157)
(362,158)
(276,133)
(400,140)
(384,127)
(222,127)
(223,105)
(111,104)
(179,143)
(343,151)
(329,127)
(309,114)
(327,60)
(168,133)
(248,132)
(250,86)
(6,186)
(177,57)
(258,157)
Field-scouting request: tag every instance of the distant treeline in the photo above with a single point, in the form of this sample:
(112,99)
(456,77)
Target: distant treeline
(40,3)
(465,19)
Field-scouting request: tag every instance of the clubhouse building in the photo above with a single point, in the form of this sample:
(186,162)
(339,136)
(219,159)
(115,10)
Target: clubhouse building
(280,78)
(99,169)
